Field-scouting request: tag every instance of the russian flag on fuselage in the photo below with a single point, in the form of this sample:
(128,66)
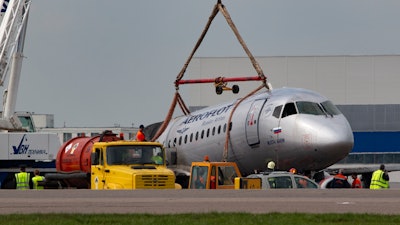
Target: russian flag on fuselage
(277,130)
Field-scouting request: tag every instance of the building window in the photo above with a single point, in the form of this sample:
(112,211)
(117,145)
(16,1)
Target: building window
(66,137)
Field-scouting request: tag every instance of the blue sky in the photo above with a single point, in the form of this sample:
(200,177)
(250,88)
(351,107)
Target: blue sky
(101,63)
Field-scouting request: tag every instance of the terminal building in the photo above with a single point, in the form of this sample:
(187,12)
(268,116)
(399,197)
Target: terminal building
(364,87)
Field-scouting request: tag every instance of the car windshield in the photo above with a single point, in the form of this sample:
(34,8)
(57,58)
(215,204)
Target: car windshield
(134,154)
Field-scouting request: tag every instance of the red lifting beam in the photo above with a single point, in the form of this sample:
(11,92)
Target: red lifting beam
(218,80)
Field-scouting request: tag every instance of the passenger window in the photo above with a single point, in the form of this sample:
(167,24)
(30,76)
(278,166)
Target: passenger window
(180,140)
(302,182)
(289,109)
(197,135)
(213,131)
(191,137)
(219,129)
(280,182)
(202,134)
(185,139)
(208,132)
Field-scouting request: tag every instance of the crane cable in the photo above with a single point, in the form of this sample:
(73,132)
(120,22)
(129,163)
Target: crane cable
(178,99)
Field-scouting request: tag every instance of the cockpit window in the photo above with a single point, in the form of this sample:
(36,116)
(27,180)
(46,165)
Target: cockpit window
(277,111)
(289,109)
(309,108)
(330,108)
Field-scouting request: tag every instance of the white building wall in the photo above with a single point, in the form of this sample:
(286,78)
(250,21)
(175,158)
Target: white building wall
(346,80)
(43,120)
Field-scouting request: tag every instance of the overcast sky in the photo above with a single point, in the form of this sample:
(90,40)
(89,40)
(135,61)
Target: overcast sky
(102,63)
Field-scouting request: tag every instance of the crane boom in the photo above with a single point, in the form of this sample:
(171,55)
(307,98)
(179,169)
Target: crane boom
(14,17)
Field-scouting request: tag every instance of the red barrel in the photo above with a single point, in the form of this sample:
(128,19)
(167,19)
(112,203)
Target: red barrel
(75,154)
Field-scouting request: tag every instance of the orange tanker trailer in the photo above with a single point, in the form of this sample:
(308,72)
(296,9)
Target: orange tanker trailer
(108,161)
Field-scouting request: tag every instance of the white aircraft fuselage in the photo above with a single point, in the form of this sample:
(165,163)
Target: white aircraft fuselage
(293,127)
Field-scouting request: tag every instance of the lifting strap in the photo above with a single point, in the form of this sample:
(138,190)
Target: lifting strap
(219,7)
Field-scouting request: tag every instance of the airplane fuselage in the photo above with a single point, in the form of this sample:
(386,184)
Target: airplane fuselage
(292,127)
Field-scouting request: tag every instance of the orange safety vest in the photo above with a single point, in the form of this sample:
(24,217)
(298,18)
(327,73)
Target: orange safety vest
(356,183)
(140,136)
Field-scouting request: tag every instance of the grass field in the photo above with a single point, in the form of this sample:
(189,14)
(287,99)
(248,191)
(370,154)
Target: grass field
(194,219)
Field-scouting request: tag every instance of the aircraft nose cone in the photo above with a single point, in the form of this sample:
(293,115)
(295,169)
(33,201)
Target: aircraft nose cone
(331,140)
(335,140)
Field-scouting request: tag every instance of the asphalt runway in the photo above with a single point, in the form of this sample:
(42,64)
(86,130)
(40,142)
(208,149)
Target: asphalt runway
(200,201)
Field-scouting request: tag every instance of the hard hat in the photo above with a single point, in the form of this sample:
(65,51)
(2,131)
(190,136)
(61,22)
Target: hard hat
(271,165)
(293,170)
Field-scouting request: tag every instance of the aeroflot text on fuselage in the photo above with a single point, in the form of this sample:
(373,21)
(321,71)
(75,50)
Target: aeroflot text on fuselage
(209,114)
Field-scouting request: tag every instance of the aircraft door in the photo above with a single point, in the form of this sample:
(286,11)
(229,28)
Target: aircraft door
(252,122)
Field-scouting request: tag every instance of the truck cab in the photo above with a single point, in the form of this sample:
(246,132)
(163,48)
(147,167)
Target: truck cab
(213,175)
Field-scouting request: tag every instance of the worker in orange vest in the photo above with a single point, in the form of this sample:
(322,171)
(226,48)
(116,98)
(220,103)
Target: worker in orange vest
(140,135)
(356,181)
(340,181)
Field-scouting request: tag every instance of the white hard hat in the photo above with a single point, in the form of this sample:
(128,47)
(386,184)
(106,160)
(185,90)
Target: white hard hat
(271,165)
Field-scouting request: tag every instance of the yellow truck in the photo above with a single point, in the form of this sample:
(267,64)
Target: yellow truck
(219,175)
(109,162)
(226,175)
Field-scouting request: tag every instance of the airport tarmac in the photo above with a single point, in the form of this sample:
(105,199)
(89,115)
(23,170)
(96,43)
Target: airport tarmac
(200,201)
